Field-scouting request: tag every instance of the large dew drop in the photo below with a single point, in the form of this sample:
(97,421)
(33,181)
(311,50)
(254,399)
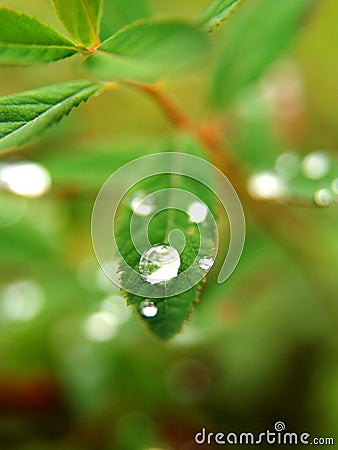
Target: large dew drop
(159,263)
(206,263)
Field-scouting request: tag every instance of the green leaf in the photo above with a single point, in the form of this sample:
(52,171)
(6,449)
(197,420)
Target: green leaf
(80,18)
(25,40)
(176,298)
(217,12)
(27,114)
(257,37)
(118,13)
(146,50)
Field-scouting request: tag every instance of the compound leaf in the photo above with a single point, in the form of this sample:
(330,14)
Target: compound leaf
(25,40)
(80,18)
(147,49)
(26,114)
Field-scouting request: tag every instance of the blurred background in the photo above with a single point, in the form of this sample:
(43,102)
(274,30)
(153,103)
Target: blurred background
(78,371)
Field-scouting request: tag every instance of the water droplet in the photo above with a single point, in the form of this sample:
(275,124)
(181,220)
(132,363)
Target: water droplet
(148,308)
(324,197)
(266,185)
(206,263)
(198,212)
(142,204)
(159,263)
(315,165)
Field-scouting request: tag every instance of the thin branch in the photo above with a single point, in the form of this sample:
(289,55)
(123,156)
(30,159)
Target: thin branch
(171,110)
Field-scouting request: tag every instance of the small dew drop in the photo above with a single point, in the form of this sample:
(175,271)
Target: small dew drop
(315,165)
(142,204)
(159,263)
(266,185)
(148,308)
(206,263)
(324,197)
(198,212)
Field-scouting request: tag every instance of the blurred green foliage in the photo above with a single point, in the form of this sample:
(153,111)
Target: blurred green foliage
(260,348)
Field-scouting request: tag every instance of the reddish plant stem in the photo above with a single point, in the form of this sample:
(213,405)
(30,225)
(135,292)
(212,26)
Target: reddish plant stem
(170,109)
(209,134)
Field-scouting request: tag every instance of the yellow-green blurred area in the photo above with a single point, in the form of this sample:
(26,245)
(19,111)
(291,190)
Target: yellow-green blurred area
(78,371)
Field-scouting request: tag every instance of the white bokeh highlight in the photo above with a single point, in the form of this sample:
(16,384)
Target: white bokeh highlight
(315,165)
(142,204)
(22,300)
(197,212)
(25,179)
(100,327)
(266,186)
